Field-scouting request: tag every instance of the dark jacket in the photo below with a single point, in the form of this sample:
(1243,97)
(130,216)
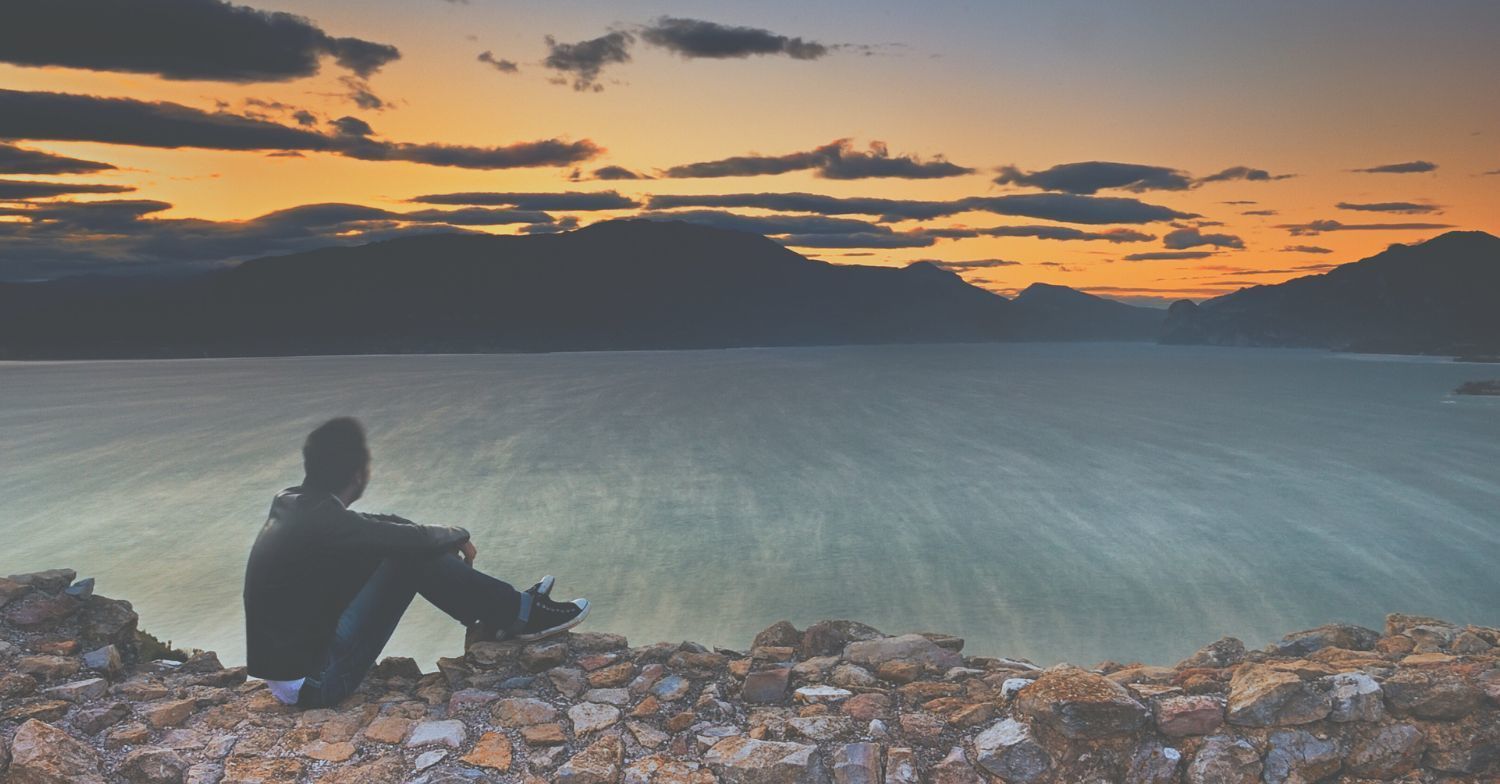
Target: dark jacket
(310,559)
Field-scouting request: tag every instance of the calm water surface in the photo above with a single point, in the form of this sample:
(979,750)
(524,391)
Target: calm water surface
(1059,502)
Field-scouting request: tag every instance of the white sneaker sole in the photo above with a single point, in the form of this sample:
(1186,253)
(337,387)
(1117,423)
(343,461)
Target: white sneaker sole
(560,628)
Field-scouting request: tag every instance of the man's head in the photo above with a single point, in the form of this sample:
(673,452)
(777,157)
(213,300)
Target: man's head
(336,458)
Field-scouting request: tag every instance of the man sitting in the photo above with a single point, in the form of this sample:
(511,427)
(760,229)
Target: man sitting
(325,586)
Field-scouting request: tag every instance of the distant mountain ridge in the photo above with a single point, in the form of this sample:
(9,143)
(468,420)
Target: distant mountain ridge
(1441,296)
(625,284)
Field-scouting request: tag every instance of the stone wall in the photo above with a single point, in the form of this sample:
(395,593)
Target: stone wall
(837,702)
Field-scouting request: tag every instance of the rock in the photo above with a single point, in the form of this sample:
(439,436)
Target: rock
(857,763)
(1463,747)
(106,660)
(1468,643)
(899,670)
(210,773)
(591,717)
(597,642)
(43,754)
(40,609)
(616,697)
(544,734)
(151,765)
(1429,694)
(1080,704)
(1260,696)
(399,667)
(867,707)
(821,694)
(79,691)
(426,760)
(1154,763)
(133,734)
(1196,714)
(766,687)
(829,638)
(1333,635)
(262,770)
(1225,760)
(1009,750)
(779,634)
(613,676)
(1355,696)
(908,647)
(1226,652)
(646,735)
(141,690)
(697,664)
(544,655)
(167,713)
(522,712)
(10,589)
(1385,752)
(388,729)
(109,621)
(90,721)
(1011,686)
(47,667)
(742,760)
(568,681)
(901,766)
(470,699)
(493,751)
(450,733)
(15,684)
(821,728)
(955,769)
(672,687)
(50,580)
(921,727)
(1299,757)
(597,764)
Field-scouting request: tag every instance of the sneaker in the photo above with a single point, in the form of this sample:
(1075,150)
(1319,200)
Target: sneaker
(543,587)
(549,618)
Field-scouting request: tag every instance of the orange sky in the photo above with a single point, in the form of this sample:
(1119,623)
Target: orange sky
(1289,90)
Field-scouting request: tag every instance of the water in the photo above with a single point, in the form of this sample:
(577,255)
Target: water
(1059,502)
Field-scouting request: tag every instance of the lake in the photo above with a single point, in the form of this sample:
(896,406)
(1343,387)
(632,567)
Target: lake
(1057,502)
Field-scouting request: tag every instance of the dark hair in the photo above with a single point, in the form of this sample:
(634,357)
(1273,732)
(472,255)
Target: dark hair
(334,453)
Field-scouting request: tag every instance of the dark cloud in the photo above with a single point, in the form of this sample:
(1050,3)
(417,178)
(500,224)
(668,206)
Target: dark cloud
(178,39)
(1409,167)
(837,160)
(959,266)
(1182,239)
(66,117)
(1060,207)
(612,173)
(693,38)
(1243,173)
(1489,173)
(17,160)
(584,61)
(351,126)
(857,240)
(501,65)
(18,190)
(566,224)
(305,118)
(57,238)
(772,224)
(358,93)
(1067,233)
(1089,177)
(1259,212)
(1240,202)
(1170,255)
(1305,249)
(1320,226)
(566,201)
(1402,207)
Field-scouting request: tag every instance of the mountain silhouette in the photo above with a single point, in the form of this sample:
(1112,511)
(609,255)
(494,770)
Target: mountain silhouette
(623,284)
(1441,296)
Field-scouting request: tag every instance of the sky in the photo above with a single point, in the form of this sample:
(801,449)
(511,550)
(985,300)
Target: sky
(1147,151)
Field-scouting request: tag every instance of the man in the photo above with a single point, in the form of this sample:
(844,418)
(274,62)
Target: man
(325,586)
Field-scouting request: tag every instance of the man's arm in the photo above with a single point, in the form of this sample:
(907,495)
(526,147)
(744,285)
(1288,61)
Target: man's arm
(385,534)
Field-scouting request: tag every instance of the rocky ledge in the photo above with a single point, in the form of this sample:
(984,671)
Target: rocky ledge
(836,702)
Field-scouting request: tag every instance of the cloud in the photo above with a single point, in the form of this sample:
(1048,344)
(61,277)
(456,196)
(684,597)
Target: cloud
(51,239)
(18,190)
(1170,255)
(1072,208)
(959,266)
(857,240)
(1403,207)
(837,160)
(771,224)
(1240,202)
(1490,173)
(566,224)
(1067,233)
(1243,173)
(1182,239)
(585,61)
(360,95)
(501,65)
(1409,167)
(1320,226)
(565,201)
(1259,212)
(17,160)
(1060,207)
(1089,177)
(179,39)
(695,38)
(68,117)
(1305,249)
(612,173)
(351,126)
(888,209)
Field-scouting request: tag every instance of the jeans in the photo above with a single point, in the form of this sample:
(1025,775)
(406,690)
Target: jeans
(366,625)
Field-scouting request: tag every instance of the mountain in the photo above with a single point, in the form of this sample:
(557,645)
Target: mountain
(1441,296)
(625,284)
(1047,312)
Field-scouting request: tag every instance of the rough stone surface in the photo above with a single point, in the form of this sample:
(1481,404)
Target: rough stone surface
(43,754)
(1225,760)
(742,760)
(1009,750)
(1195,714)
(1080,704)
(857,763)
(909,647)
(1262,696)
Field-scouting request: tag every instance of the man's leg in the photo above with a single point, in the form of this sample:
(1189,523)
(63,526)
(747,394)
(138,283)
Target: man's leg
(368,622)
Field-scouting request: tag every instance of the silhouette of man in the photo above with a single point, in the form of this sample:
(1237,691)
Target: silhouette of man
(325,586)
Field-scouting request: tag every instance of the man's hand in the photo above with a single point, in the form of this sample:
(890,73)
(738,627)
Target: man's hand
(468,552)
